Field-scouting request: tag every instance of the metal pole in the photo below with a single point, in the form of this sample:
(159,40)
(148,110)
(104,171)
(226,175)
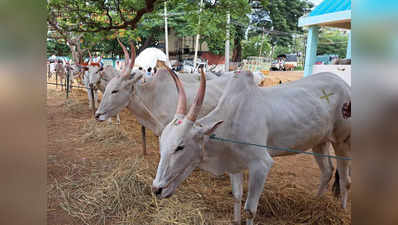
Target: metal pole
(143,140)
(197,37)
(262,41)
(92,99)
(166,32)
(67,83)
(227,44)
(48,71)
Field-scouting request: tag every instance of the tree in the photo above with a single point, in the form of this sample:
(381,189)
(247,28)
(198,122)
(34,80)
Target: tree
(99,21)
(98,15)
(57,47)
(279,18)
(332,41)
(280,50)
(213,21)
(252,46)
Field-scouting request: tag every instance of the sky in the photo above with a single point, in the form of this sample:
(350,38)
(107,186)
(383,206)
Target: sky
(316,2)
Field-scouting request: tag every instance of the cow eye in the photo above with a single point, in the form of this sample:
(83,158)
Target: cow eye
(115,91)
(180,148)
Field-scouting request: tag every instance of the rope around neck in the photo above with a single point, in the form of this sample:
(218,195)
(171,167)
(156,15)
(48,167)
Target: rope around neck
(214,137)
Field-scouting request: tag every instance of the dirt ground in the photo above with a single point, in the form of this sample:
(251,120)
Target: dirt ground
(74,155)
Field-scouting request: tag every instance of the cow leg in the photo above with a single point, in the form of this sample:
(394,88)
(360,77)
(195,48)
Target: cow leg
(343,181)
(258,172)
(325,165)
(90,99)
(96,98)
(237,190)
(117,119)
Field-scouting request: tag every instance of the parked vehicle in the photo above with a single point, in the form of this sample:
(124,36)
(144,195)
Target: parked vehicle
(284,62)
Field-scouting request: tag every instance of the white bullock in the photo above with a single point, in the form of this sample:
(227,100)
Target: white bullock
(306,114)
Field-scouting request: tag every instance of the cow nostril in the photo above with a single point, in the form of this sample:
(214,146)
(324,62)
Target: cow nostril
(97,115)
(157,191)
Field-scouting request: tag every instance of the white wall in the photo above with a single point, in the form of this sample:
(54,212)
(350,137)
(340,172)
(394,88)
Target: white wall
(343,71)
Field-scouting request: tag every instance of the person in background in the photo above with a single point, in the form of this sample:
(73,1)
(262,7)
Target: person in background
(149,72)
(148,75)
(53,58)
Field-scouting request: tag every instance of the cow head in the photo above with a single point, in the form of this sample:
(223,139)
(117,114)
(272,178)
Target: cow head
(95,72)
(181,142)
(118,90)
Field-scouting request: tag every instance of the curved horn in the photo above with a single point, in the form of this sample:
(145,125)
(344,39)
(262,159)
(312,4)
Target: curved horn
(197,103)
(182,98)
(132,61)
(126,55)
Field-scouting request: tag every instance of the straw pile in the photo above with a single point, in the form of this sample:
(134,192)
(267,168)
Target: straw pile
(122,195)
(272,81)
(105,133)
(73,106)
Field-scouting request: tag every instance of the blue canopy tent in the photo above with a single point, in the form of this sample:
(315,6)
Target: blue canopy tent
(332,13)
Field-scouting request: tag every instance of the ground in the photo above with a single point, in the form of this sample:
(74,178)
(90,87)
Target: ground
(97,174)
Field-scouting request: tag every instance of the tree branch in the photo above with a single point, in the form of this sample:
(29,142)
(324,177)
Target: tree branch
(132,24)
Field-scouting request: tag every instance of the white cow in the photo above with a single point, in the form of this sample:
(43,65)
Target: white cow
(153,103)
(99,77)
(60,72)
(305,114)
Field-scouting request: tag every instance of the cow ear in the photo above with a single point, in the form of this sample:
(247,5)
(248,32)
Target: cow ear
(129,83)
(208,130)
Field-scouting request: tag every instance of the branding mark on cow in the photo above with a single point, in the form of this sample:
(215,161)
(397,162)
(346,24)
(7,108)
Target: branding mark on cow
(326,96)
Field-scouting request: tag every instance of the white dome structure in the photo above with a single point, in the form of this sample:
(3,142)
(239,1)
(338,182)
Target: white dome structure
(148,58)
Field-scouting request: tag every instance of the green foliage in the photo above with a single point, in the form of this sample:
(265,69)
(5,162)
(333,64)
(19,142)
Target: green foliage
(332,41)
(57,47)
(298,68)
(279,50)
(103,21)
(252,46)
(212,20)
(280,16)
(97,16)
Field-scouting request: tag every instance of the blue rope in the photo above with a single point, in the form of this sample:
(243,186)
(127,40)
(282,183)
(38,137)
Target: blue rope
(213,136)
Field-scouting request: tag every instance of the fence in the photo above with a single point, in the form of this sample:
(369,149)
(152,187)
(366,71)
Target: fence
(255,63)
(68,87)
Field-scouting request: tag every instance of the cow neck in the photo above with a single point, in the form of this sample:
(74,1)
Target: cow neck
(102,82)
(141,89)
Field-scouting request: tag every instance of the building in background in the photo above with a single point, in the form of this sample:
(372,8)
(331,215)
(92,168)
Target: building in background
(330,13)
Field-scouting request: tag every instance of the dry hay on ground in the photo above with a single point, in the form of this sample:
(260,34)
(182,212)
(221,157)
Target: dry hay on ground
(267,82)
(275,78)
(121,194)
(105,133)
(75,106)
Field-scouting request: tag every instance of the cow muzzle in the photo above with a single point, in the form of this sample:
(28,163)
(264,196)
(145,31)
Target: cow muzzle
(157,191)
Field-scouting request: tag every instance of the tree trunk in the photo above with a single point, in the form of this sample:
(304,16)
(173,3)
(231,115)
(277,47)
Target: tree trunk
(237,52)
(146,44)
